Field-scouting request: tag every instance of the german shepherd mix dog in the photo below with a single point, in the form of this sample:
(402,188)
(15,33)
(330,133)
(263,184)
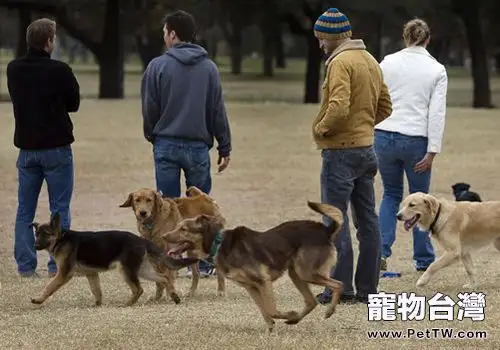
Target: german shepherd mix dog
(255,259)
(88,253)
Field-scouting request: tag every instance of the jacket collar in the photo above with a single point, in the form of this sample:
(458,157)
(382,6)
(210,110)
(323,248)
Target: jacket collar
(37,53)
(417,50)
(352,44)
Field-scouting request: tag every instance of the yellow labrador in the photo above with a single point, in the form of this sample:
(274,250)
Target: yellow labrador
(458,227)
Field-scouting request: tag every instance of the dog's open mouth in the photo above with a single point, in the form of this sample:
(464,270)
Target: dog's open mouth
(411,222)
(176,252)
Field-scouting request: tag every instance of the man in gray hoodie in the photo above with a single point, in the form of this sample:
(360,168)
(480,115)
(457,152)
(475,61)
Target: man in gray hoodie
(183,110)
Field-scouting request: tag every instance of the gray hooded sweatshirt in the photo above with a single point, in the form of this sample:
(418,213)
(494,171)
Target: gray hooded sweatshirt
(182,98)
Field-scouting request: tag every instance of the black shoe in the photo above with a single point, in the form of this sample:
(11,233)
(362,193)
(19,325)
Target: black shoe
(324,298)
(421,268)
(361,299)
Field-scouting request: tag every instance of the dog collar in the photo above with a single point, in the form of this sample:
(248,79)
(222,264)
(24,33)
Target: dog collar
(215,245)
(431,228)
(147,225)
(214,249)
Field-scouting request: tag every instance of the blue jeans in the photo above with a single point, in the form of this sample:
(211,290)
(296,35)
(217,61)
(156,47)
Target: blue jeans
(397,154)
(192,157)
(55,166)
(347,175)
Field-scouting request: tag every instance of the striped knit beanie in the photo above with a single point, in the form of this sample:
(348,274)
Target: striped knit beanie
(332,25)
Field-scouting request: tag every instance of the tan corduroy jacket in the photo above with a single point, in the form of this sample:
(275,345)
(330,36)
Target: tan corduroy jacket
(355,99)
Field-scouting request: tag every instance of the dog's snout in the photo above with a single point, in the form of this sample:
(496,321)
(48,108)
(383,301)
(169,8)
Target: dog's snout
(143,213)
(399,216)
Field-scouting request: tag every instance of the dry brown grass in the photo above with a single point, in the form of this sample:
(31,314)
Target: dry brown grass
(275,169)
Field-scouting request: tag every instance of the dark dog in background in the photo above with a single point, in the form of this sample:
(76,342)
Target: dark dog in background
(462,193)
(88,253)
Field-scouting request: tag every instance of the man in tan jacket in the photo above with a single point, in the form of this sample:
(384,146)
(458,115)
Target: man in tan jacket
(354,100)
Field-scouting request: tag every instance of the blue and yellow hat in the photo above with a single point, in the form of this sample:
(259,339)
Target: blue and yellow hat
(332,25)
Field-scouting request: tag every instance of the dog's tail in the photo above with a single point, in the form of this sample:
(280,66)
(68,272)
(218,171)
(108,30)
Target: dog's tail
(162,257)
(332,212)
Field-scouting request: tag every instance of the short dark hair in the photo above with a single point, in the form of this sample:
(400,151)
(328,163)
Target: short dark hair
(39,31)
(182,23)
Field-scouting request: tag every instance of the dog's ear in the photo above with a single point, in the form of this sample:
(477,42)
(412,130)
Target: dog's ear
(128,202)
(55,221)
(431,204)
(159,200)
(210,223)
(194,191)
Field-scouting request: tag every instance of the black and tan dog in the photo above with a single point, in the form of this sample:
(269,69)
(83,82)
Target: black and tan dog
(88,253)
(256,259)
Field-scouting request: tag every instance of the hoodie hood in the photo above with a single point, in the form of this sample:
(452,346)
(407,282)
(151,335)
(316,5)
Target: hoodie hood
(187,53)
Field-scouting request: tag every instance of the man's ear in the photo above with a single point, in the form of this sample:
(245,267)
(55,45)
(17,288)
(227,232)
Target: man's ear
(128,202)
(55,222)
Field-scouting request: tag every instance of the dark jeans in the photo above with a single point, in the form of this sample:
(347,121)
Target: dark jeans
(347,175)
(192,157)
(397,154)
(55,166)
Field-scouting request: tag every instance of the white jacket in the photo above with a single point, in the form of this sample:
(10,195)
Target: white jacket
(418,85)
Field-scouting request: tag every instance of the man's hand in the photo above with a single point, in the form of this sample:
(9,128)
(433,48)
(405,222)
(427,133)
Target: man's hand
(321,130)
(223,163)
(425,164)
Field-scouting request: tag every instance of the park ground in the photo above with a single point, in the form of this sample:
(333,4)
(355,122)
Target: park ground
(274,171)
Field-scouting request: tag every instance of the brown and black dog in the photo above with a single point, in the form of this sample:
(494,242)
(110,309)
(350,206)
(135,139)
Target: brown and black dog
(89,253)
(156,215)
(255,259)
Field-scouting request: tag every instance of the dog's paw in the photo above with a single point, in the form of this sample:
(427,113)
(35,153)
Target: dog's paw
(37,301)
(98,303)
(422,281)
(175,298)
(292,317)
(221,293)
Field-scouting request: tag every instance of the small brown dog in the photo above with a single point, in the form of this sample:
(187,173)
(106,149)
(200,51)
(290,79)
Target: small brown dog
(157,215)
(256,259)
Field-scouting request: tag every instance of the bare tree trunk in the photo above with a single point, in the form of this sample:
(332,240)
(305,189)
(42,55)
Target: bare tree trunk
(313,70)
(24,20)
(111,56)
(235,41)
(149,46)
(280,48)
(469,13)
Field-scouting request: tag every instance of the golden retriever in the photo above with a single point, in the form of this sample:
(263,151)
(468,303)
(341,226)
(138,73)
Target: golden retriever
(460,228)
(157,215)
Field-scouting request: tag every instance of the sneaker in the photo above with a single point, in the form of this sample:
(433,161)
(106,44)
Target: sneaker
(29,274)
(383,264)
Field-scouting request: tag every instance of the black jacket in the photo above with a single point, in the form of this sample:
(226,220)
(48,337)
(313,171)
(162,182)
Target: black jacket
(42,91)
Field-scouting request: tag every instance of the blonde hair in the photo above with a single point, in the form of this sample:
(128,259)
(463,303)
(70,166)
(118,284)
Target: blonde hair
(39,32)
(416,32)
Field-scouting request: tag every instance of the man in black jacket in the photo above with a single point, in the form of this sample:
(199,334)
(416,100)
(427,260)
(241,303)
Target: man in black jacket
(42,91)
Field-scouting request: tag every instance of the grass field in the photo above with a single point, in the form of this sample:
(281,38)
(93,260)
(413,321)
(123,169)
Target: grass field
(274,171)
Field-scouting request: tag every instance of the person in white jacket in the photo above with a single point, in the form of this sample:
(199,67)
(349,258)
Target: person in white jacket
(408,140)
